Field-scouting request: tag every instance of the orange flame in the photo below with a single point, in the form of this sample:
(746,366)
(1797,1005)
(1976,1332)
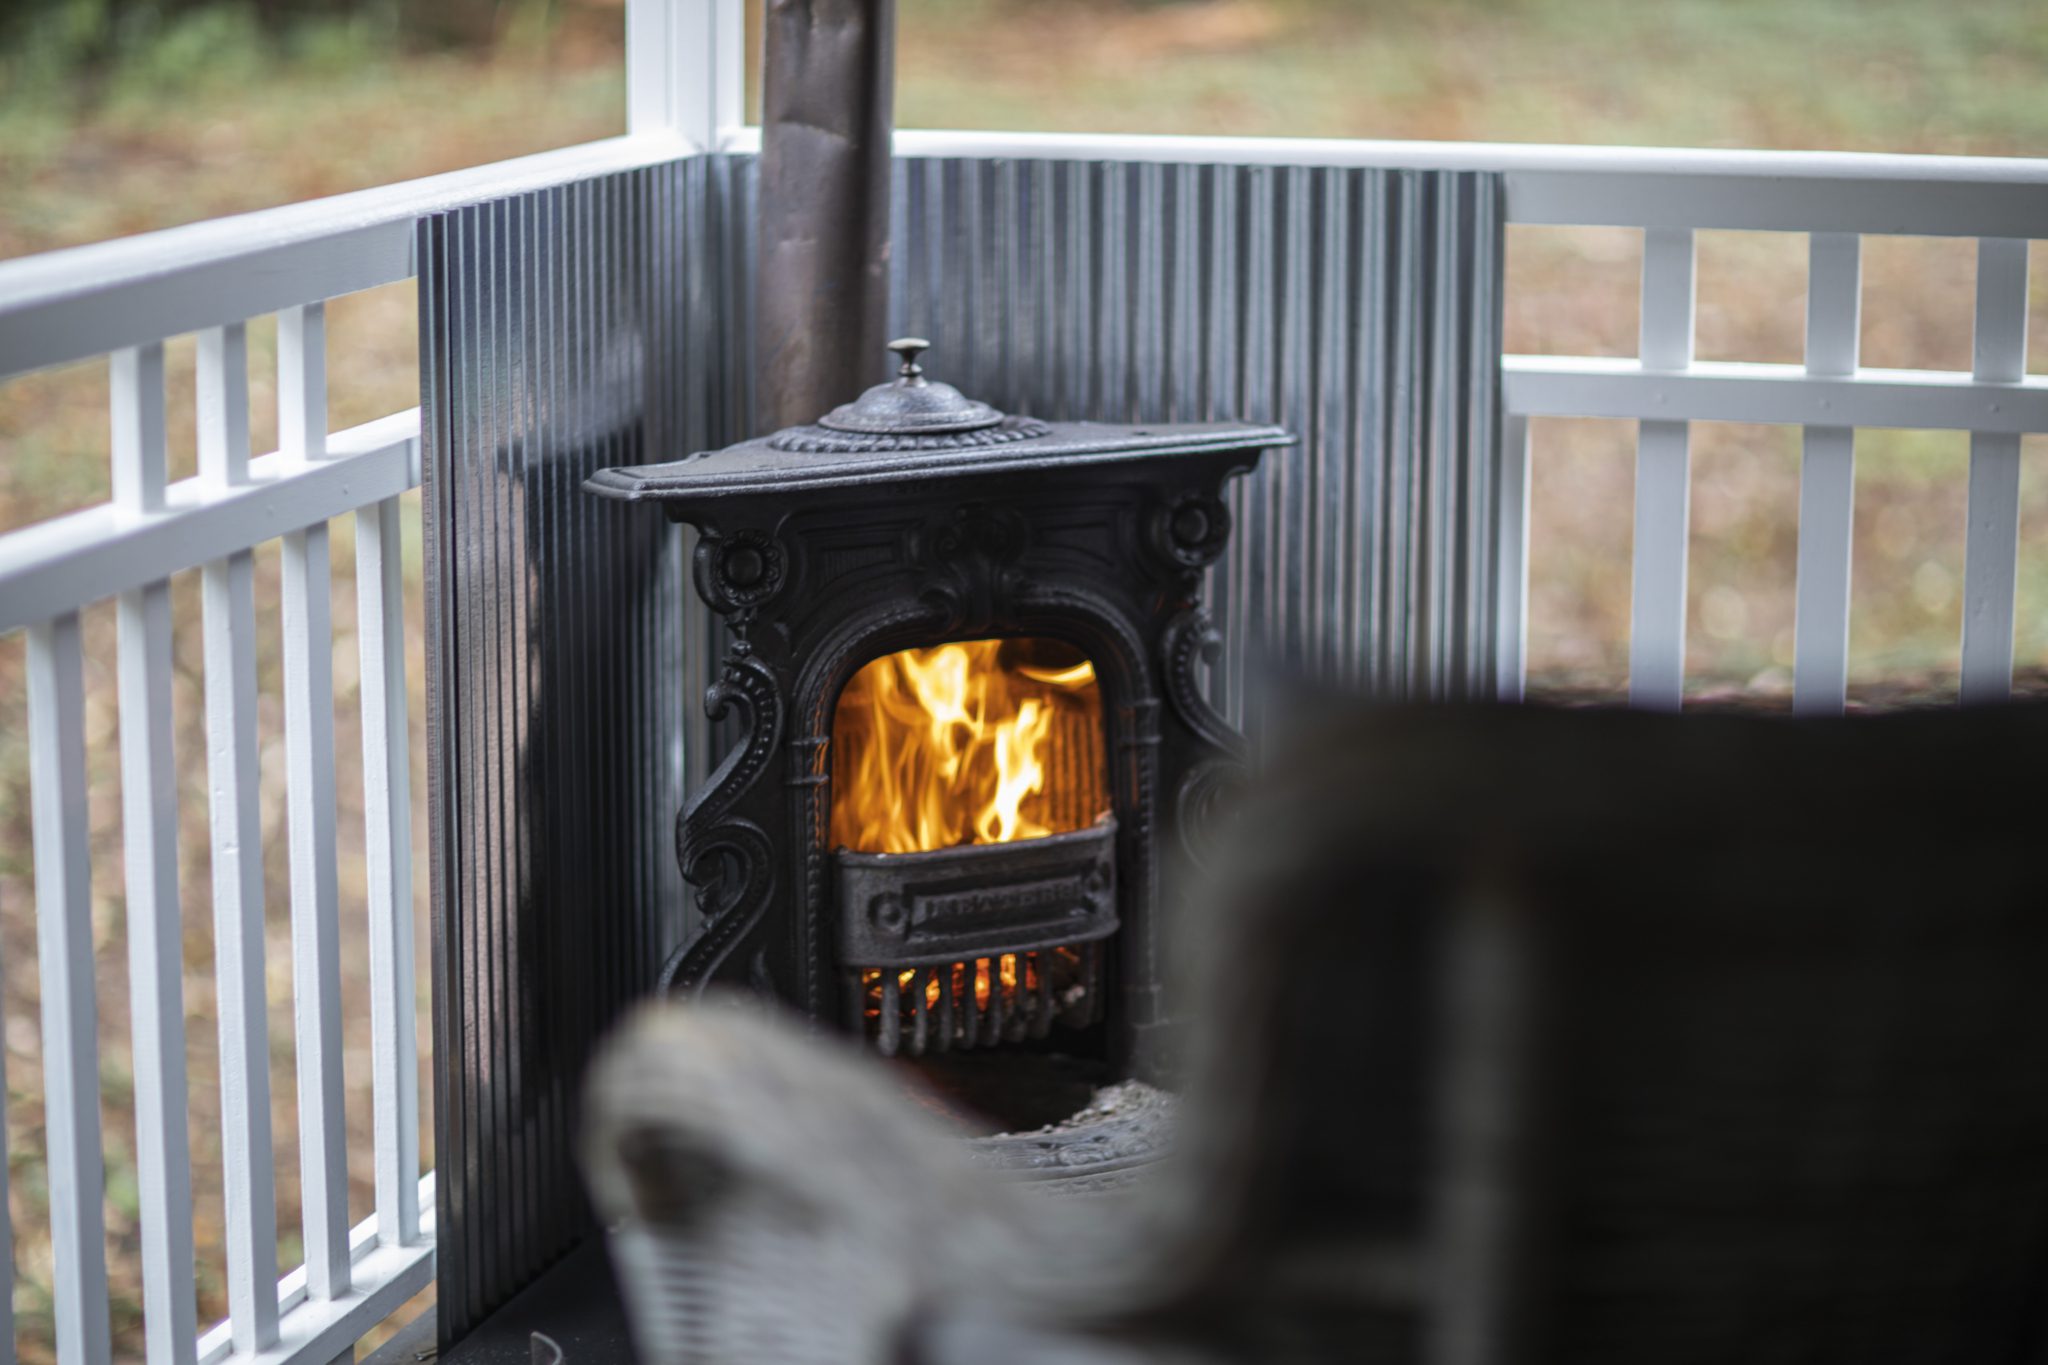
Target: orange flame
(953,745)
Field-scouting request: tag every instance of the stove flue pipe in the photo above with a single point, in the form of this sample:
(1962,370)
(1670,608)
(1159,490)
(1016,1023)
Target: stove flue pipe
(828,106)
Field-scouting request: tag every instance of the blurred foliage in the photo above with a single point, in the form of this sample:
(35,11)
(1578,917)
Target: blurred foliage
(77,51)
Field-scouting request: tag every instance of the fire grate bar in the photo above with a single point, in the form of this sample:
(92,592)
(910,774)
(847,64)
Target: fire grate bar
(978,1003)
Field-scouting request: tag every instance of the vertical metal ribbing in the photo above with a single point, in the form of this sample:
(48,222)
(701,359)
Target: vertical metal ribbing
(1402,372)
(563,332)
(1365,438)
(1511,591)
(1328,485)
(1359,307)
(1479,265)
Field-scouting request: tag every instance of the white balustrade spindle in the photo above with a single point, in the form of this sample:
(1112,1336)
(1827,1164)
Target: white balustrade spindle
(149,826)
(235,788)
(71,1052)
(1656,647)
(1991,549)
(309,793)
(387,810)
(1827,481)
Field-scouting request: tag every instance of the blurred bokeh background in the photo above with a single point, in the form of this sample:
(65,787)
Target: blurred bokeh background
(121,116)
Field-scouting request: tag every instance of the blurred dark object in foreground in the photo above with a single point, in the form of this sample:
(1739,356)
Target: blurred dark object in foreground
(1523,1035)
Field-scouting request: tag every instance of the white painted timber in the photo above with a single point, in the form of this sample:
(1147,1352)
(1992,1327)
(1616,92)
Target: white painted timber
(1827,482)
(149,831)
(1656,646)
(685,67)
(1991,550)
(92,300)
(385,1276)
(234,789)
(309,791)
(88,301)
(1739,391)
(135,389)
(71,1053)
(222,403)
(67,561)
(387,812)
(1512,589)
(1941,196)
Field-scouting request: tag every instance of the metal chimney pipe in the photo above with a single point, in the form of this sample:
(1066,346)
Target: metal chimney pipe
(827,110)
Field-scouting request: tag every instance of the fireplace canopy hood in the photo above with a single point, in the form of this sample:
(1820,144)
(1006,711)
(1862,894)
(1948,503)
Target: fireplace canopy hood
(911,428)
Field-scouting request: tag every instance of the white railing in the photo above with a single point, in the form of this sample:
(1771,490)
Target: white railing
(129,549)
(1836,199)
(1666,388)
(124,299)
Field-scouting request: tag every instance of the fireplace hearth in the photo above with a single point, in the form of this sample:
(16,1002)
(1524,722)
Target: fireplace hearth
(965,665)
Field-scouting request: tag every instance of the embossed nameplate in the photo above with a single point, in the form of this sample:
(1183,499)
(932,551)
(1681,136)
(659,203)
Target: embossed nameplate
(952,904)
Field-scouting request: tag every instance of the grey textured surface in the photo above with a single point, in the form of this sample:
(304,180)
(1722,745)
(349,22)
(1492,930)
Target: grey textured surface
(561,332)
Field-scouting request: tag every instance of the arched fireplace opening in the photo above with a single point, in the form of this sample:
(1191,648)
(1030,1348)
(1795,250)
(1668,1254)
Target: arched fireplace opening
(971,819)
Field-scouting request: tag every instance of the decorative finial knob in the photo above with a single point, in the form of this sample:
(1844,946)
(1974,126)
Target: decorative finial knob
(910,348)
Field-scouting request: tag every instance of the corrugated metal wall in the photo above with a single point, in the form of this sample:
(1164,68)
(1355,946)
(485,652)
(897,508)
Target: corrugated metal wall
(610,322)
(561,332)
(1359,308)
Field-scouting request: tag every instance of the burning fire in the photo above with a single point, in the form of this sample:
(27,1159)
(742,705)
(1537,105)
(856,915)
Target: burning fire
(982,742)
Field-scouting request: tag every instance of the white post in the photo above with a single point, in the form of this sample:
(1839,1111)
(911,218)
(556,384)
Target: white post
(685,68)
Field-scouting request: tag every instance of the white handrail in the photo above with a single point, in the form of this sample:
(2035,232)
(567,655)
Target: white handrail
(1870,192)
(66,562)
(91,300)
(68,305)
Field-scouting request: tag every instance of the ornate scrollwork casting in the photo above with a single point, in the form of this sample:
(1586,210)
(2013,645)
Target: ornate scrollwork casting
(729,859)
(1203,796)
(1189,531)
(1189,641)
(970,558)
(736,574)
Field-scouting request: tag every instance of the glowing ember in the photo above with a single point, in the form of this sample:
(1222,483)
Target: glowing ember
(983,742)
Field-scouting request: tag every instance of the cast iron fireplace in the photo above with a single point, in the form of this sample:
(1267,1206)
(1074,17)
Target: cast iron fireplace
(965,667)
